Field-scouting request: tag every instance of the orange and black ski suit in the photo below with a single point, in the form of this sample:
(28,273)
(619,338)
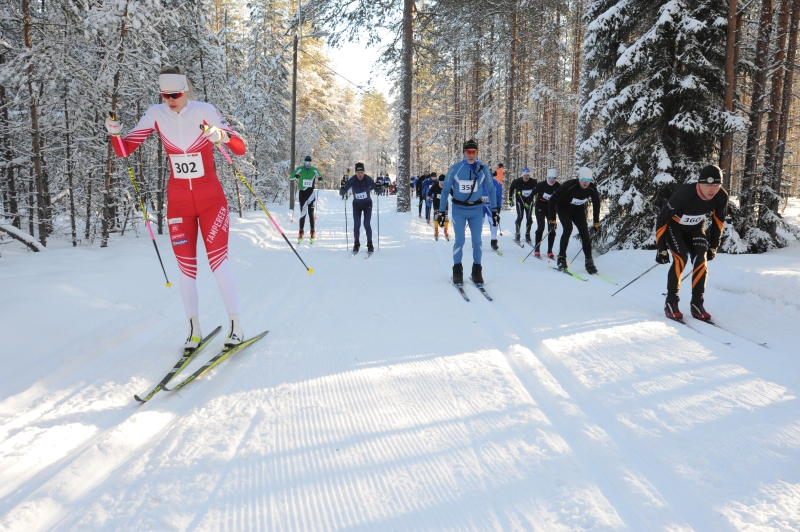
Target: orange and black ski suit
(680,227)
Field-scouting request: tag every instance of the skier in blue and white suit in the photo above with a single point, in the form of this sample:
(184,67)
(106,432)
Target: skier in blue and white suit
(465,182)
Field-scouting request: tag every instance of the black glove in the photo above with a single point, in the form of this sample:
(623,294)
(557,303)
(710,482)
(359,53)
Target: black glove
(594,230)
(553,225)
(440,218)
(662,257)
(495,218)
(711,253)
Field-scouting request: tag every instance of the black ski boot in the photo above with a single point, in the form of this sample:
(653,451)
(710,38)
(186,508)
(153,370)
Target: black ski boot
(477,274)
(672,311)
(458,274)
(494,245)
(591,269)
(699,313)
(562,262)
(528,239)
(370,247)
(356,247)
(516,238)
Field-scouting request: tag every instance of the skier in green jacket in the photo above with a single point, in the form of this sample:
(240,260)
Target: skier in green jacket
(306,175)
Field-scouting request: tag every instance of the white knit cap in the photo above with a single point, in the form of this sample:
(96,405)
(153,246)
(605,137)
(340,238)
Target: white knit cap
(585,173)
(168,83)
(552,172)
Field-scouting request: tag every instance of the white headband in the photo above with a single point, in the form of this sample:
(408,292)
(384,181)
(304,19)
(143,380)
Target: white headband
(552,172)
(172,83)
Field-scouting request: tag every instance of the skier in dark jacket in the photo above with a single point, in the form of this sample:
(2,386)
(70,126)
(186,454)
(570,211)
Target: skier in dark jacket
(521,193)
(569,201)
(544,192)
(680,227)
(435,195)
(361,184)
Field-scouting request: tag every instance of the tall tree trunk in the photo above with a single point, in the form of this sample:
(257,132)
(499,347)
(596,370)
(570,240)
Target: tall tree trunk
(107,213)
(35,135)
(404,137)
(13,206)
(510,111)
(769,195)
(583,128)
(785,113)
(726,148)
(69,170)
(456,105)
(754,131)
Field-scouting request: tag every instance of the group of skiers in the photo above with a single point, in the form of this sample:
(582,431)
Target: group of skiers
(189,131)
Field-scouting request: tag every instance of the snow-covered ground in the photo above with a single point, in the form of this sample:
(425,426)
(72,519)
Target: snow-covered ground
(381,400)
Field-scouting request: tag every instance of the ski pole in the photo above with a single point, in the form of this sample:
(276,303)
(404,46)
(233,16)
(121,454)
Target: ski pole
(141,203)
(630,283)
(242,178)
(379,225)
(537,245)
(346,238)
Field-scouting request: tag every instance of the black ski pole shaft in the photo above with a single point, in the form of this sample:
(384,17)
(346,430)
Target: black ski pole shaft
(537,245)
(642,275)
(247,184)
(141,203)
(576,255)
(379,222)
(346,238)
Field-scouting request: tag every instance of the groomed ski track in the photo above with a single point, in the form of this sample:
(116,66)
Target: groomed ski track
(381,400)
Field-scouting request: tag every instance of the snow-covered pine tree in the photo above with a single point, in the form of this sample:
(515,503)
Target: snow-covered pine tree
(658,67)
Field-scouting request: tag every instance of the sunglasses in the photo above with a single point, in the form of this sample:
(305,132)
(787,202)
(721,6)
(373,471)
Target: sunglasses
(471,152)
(171,95)
(586,179)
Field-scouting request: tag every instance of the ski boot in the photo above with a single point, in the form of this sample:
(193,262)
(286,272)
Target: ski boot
(562,262)
(235,334)
(550,255)
(537,254)
(446,235)
(370,247)
(300,236)
(516,238)
(699,313)
(672,311)
(356,247)
(494,245)
(313,236)
(591,269)
(458,274)
(436,233)
(528,239)
(477,274)
(195,336)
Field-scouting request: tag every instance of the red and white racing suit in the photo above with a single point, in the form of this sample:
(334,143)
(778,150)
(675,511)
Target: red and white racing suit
(194,193)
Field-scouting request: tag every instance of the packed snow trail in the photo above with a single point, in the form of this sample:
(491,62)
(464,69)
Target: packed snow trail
(381,400)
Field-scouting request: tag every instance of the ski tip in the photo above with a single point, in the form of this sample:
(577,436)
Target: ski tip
(138,398)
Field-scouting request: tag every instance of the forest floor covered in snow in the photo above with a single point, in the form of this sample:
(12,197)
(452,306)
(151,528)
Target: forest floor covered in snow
(381,400)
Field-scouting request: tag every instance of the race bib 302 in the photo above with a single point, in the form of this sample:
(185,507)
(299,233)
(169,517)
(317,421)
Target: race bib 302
(187,165)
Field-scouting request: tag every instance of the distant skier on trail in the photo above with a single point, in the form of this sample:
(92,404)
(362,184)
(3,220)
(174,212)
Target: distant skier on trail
(195,195)
(521,193)
(426,187)
(466,180)
(306,176)
(500,173)
(569,202)
(435,195)
(343,182)
(680,227)
(544,191)
(487,211)
(361,184)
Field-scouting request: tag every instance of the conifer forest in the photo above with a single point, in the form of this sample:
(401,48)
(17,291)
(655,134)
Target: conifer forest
(644,92)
